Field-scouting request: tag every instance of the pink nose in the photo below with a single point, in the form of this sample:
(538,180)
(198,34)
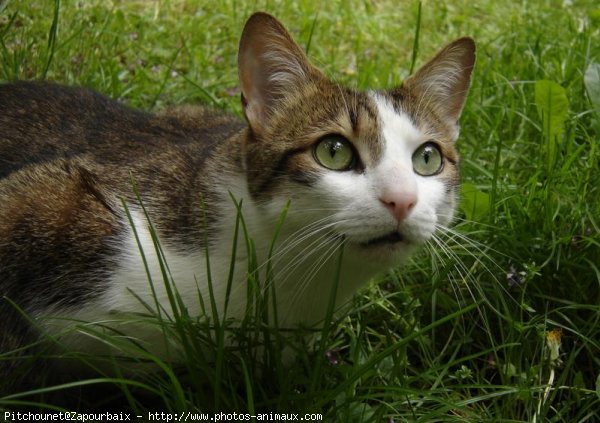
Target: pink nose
(399,205)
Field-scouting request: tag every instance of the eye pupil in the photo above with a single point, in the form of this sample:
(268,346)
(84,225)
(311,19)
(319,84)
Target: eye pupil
(334,147)
(426,155)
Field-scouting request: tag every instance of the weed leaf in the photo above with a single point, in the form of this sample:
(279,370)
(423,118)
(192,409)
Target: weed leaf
(474,203)
(552,106)
(592,85)
(591,80)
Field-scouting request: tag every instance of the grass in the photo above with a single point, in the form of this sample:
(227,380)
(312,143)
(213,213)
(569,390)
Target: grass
(467,331)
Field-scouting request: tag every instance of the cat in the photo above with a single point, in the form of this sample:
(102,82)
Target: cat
(84,178)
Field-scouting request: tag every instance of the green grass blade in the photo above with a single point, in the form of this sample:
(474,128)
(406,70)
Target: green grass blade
(52,36)
(415,48)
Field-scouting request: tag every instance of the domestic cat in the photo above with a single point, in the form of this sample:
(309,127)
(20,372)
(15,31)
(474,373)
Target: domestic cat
(371,172)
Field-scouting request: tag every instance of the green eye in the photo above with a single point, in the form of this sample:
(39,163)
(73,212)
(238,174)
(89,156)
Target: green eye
(335,152)
(427,160)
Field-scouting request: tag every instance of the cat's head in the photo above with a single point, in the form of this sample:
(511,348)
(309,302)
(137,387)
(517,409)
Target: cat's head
(377,168)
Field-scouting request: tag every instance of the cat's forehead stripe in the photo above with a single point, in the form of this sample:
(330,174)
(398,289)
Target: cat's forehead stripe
(353,119)
(365,105)
(364,121)
(357,105)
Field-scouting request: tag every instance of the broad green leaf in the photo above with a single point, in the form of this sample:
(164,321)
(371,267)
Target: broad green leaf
(578,380)
(592,85)
(594,16)
(552,106)
(475,204)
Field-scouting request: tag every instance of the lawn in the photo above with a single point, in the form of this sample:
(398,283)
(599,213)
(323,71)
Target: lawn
(498,320)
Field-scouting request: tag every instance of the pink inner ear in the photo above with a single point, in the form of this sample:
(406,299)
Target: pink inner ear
(252,87)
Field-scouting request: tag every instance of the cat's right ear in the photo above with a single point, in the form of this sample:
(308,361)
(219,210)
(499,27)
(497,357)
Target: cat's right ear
(443,82)
(270,65)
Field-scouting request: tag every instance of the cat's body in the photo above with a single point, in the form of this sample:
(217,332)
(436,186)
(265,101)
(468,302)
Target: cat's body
(69,157)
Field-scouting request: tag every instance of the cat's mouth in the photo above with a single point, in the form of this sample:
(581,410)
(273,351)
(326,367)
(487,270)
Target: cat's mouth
(388,239)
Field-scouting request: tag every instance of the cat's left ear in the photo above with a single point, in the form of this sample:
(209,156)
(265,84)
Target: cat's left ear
(271,65)
(444,81)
